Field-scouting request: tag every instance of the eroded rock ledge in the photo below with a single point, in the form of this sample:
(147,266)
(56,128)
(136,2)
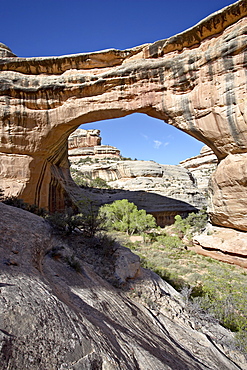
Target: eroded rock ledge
(195,81)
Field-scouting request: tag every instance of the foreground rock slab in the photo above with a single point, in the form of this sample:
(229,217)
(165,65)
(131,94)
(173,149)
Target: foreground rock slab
(223,244)
(195,81)
(52,317)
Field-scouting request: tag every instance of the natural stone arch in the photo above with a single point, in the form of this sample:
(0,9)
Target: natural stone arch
(195,81)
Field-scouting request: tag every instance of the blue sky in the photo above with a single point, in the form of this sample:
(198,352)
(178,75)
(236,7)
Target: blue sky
(57,27)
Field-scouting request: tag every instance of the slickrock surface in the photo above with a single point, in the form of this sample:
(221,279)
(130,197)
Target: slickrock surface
(195,81)
(225,244)
(201,167)
(52,317)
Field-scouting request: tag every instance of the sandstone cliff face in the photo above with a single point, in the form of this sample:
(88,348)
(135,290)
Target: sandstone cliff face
(87,143)
(162,190)
(151,186)
(195,81)
(201,167)
(53,317)
(84,138)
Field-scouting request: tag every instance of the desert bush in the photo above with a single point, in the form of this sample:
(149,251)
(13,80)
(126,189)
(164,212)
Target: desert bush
(169,241)
(99,183)
(15,202)
(85,160)
(73,263)
(123,215)
(86,221)
(19,203)
(86,181)
(79,179)
(195,222)
(170,276)
(107,244)
(65,222)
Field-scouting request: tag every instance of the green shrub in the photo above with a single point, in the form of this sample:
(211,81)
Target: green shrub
(86,181)
(195,222)
(85,160)
(99,183)
(169,241)
(123,215)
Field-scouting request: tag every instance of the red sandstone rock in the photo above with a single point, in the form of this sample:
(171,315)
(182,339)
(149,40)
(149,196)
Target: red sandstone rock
(225,244)
(195,81)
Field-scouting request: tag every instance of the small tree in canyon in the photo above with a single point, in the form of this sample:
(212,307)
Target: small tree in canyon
(123,215)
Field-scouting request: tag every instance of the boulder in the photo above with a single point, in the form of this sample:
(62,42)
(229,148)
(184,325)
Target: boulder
(224,244)
(229,202)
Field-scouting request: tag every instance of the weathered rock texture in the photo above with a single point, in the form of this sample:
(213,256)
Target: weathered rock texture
(52,317)
(84,138)
(195,81)
(162,190)
(201,167)
(224,244)
(87,143)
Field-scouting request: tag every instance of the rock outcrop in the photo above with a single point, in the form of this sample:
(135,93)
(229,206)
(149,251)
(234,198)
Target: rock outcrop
(224,244)
(195,81)
(87,143)
(162,190)
(84,139)
(201,167)
(53,317)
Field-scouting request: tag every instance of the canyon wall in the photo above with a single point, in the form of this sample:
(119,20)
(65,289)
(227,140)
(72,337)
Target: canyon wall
(195,81)
(84,138)
(201,167)
(162,190)
(87,143)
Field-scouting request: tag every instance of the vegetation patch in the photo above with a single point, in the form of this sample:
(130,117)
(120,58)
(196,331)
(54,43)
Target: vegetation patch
(208,286)
(86,181)
(123,215)
(211,288)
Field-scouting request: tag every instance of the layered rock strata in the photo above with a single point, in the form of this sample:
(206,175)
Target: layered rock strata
(87,143)
(53,317)
(162,190)
(224,244)
(201,167)
(83,139)
(195,81)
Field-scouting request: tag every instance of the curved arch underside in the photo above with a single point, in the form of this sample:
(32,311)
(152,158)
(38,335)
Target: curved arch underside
(195,81)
